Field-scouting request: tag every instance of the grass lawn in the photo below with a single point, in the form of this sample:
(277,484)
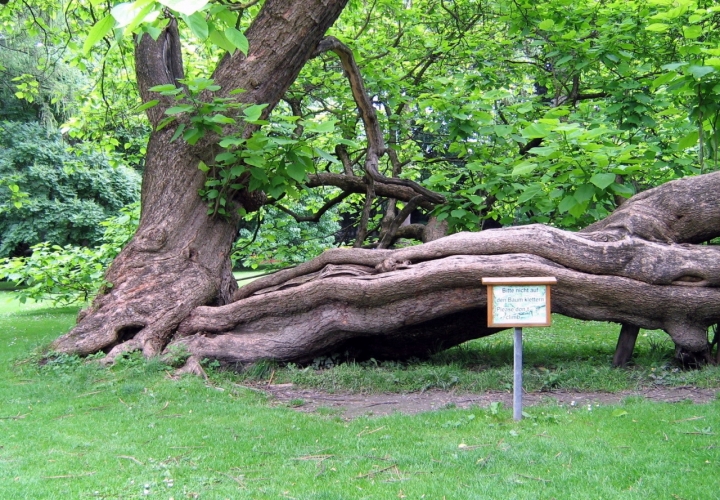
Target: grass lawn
(70,429)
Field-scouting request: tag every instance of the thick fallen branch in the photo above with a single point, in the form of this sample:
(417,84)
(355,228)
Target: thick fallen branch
(427,306)
(627,269)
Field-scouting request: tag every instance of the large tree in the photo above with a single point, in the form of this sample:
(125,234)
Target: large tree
(643,266)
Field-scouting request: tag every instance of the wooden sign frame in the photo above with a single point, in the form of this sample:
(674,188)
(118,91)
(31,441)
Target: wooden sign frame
(518,283)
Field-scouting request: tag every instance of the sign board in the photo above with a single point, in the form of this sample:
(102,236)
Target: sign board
(519,301)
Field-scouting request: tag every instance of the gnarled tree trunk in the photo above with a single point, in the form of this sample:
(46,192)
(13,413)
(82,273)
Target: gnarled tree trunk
(179,257)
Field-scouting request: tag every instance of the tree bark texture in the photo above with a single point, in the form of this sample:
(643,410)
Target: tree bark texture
(179,257)
(417,299)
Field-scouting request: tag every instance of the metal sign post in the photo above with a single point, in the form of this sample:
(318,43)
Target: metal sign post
(518,302)
(517,374)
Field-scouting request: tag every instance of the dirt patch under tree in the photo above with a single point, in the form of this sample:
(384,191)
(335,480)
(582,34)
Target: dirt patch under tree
(350,405)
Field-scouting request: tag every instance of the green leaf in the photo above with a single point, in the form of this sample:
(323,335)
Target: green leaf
(252,113)
(203,167)
(546,24)
(231,141)
(176,110)
(238,39)
(536,130)
(524,168)
(187,7)
(147,105)
(178,131)
(584,193)
(666,78)
(259,174)
(567,203)
(219,39)
(296,171)
(692,32)
(477,200)
(622,190)
(689,140)
(165,122)
(255,160)
(226,157)
(530,192)
(198,25)
(98,31)
(132,14)
(218,118)
(657,27)
(193,135)
(700,71)
(674,66)
(619,413)
(325,155)
(152,31)
(163,88)
(578,210)
(602,180)
(503,130)
(324,127)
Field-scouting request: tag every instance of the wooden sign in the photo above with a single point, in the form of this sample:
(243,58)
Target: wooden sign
(519,301)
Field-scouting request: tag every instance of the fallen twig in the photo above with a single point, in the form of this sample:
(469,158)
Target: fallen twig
(687,419)
(88,394)
(366,432)
(16,417)
(314,457)
(240,482)
(376,472)
(69,476)
(535,478)
(126,457)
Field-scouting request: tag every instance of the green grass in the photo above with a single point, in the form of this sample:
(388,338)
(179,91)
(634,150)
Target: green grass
(69,429)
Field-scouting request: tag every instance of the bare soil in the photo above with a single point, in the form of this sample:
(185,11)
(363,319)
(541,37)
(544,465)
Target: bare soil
(351,406)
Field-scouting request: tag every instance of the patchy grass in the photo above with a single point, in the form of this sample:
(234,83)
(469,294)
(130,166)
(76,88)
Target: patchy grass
(69,429)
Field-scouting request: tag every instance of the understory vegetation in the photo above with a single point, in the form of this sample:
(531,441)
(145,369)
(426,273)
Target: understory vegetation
(70,429)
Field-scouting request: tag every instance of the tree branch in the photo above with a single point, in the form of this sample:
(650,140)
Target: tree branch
(387,238)
(376,144)
(315,218)
(357,184)
(363,227)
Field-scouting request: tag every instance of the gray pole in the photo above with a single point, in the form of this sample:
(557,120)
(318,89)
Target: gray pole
(517,375)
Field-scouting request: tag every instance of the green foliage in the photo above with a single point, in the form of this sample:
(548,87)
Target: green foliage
(49,193)
(40,85)
(274,159)
(280,241)
(69,274)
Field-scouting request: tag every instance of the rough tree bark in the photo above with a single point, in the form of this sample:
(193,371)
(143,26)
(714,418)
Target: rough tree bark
(179,257)
(634,268)
(644,266)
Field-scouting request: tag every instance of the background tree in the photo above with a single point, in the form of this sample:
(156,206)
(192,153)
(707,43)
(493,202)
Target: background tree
(66,194)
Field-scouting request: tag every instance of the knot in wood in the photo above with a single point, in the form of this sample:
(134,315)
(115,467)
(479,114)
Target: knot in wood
(151,240)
